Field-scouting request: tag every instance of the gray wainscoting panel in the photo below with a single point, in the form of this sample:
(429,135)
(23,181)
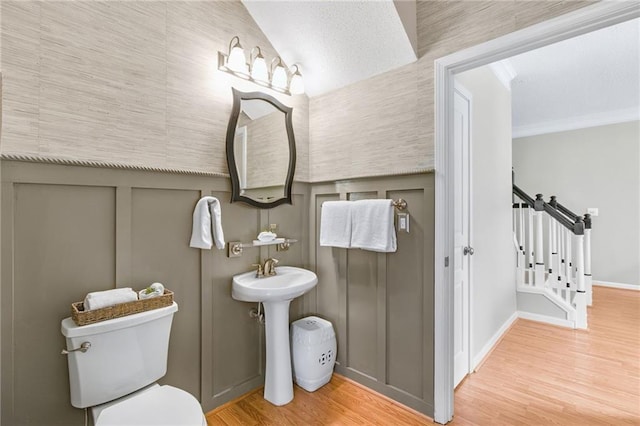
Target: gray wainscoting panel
(381,304)
(63,247)
(69,230)
(160,230)
(235,344)
(362,312)
(330,266)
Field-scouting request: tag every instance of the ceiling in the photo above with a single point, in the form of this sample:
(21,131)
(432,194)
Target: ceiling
(593,79)
(338,43)
(589,80)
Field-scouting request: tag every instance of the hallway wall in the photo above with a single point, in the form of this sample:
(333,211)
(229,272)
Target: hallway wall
(593,167)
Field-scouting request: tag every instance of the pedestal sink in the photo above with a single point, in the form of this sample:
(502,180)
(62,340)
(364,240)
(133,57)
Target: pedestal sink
(276,293)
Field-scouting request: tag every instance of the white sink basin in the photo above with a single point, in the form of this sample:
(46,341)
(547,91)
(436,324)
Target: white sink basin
(275,293)
(289,283)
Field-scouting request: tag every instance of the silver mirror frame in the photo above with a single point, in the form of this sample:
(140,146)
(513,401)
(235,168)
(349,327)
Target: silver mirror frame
(238,97)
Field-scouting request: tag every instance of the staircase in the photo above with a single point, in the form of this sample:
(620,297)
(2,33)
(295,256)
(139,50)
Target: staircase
(553,251)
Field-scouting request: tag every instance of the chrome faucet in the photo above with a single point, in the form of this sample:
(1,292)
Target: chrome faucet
(269,268)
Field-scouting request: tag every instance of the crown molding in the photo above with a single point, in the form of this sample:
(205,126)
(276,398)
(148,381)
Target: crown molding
(504,71)
(575,123)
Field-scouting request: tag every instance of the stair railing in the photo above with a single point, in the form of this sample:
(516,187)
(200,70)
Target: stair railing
(567,270)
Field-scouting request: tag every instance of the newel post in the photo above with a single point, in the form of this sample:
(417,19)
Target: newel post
(580,299)
(587,259)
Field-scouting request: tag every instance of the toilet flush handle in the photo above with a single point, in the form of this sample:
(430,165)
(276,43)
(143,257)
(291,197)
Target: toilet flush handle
(83,348)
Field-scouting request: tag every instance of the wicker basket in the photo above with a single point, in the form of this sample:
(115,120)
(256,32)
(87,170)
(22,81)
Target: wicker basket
(82,317)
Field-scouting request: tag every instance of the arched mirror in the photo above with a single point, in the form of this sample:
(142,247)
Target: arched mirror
(261,150)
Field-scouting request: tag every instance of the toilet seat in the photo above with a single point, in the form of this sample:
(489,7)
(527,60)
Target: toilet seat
(156,405)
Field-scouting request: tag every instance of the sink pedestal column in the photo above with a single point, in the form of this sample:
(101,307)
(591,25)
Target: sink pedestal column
(278,383)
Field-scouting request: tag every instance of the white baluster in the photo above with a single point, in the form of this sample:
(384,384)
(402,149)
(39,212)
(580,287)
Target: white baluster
(555,264)
(580,299)
(516,237)
(549,249)
(530,260)
(562,254)
(539,253)
(567,265)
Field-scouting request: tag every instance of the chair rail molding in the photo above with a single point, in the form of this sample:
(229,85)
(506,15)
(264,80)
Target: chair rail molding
(581,21)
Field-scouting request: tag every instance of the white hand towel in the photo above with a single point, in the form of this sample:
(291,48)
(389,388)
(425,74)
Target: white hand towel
(372,226)
(102,299)
(206,215)
(154,290)
(335,224)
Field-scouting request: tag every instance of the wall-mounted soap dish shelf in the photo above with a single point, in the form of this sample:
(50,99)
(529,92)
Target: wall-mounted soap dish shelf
(236,248)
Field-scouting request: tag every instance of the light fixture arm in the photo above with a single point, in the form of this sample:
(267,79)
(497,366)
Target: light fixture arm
(232,45)
(274,64)
(258,55)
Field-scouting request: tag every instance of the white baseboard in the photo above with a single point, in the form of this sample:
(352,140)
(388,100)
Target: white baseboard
(616,285)
(546,319)
(486,349)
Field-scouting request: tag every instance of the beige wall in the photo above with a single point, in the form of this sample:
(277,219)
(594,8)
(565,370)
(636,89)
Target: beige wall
(386,123)
(132,82)
(593,167)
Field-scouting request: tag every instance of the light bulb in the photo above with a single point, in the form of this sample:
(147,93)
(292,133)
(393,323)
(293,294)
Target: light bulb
(259,69)
(296,87)
(279,78)
(237,61)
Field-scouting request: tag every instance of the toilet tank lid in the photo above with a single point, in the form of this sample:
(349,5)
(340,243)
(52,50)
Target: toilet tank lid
(70,329)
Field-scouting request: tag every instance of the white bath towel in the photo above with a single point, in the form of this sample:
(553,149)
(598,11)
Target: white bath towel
(335,224)
(372,226)
(102,299)
(207,215)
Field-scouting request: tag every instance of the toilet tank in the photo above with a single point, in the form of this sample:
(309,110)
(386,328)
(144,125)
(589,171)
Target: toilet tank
(126,354)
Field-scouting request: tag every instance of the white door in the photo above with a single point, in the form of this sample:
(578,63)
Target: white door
(462,113)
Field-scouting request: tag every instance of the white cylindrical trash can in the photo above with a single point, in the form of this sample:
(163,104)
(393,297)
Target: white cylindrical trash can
(313,346)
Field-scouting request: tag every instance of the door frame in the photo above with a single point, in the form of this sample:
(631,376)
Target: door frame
(459,87)
(587,19)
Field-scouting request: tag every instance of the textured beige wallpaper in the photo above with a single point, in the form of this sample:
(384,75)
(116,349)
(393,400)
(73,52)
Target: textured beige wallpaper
(386,124)
(132,82)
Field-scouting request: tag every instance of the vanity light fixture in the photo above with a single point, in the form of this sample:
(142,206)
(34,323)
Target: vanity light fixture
(276,77)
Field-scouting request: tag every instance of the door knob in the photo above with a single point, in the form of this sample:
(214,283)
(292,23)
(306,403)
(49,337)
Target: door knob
(468,251)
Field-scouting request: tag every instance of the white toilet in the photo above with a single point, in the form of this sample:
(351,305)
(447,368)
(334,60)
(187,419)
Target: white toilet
(117,373)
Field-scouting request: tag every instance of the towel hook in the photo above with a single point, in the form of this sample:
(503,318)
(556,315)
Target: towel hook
(400,204)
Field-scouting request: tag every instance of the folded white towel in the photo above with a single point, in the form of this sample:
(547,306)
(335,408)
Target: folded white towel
(102,299)
(335,224)
(206,215)
(372,226)
(154,290)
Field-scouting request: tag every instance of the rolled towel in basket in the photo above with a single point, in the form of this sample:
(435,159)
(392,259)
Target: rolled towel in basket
(102,299)
(154,290)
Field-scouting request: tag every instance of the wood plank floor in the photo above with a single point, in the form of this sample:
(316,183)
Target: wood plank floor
(544,375)
(339,402)
(537,375)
